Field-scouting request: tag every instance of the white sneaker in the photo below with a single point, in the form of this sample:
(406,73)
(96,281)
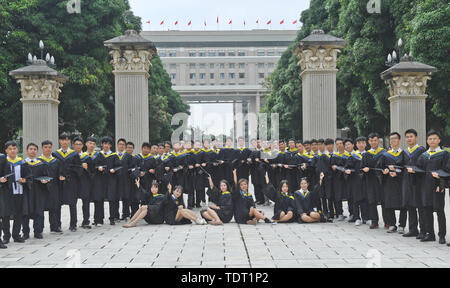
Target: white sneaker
(201,221)
(401,230)
(341,218)
(369,222)
(392,229)
(98,225)
(358,222)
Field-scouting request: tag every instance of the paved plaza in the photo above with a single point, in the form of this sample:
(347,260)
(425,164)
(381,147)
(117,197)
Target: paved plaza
(320,245)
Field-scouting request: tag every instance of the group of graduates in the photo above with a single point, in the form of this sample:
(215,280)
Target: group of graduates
(151,184)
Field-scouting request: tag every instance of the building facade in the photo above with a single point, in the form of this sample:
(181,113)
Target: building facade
(222,66)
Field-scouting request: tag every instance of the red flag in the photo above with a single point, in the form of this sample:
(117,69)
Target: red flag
(295,22)
(244,22)
(148,22)
(162,22)
(217,19)
(231,21)
(205,22)
(282,21)
(189,24)
(257,21)
(176,22)
(270,22)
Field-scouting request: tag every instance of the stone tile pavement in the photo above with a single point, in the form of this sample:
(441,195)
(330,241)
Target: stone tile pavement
(338,244)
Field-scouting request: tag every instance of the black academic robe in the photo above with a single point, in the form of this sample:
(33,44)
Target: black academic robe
(255,167)
(70,169)
(306,203)
(4,170)
(283,202)
(123,175)
(8,198)
(356,180)
(410,190)
(339,184)
(85,178)
(35,192)
(242,168)
(177,161)
(214,168)
(189,174)
(198,158)
(226,154)
(299,160)
(432,161)
(291,173)
(224,200)
(53,171)
(155,206)
(374,187)
(242,202)
(105,183)
(324,165)
(280,171)
(392,186)
(171,209)
(163,176)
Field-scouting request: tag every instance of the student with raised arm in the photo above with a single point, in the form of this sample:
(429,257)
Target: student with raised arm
(306,202)
(245,211)
(175,212)
(284,209)
(152,208)
(222,210)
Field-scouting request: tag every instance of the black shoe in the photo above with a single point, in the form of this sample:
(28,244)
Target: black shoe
(448,244)
(428,238)
(5,241)
(26,236)
(411,234)
(73,229)
(112,223)
(267,220)
(190,207)
(57,230)
(19,240)
(124,217)
(420,236)
(38,236)
(86,226)
(2,246)
(442,240)
(198,206)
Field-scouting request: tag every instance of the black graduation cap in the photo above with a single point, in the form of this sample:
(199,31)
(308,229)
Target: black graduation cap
(44,178)
(442,173)
(415,169)
(202,170)
(7,175)
(117,168)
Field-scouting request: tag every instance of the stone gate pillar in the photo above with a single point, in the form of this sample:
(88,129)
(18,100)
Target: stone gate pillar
(318,55)
(407,82)
(131,56)
(40,87)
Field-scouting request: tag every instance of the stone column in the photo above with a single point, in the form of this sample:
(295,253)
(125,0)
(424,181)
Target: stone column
(40,87)
(318,55)
(407,82)
(131,56)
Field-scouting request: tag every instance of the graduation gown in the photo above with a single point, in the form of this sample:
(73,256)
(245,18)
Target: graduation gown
(255,168)
(432,161)
(35,192)
(123,177)
(155,206)
(85,178)
(171,209)
(291,173)
(177,160)
(300,159)
(374,188)
(53,170)
(356,180)
(70,169)
(198,158)
(4,170)
(392,186)
(105,183)
(242,168)
(224,200)
(410,188)
(8,194)
(339,183)
(283,202)
(227,154)
(279,172)
(306,203)
(215,169)
(241,205)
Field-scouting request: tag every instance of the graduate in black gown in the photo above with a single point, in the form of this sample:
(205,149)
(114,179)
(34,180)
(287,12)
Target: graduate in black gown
(245,211)
(152,206)
(189,173)
(54,200)
(410,190)
(142,165)
(36,192)
(255,170)
(356,182)
(200,162)
(4,172)
(307,205)
(279,161)
(175,212)
(226,156)
(290,163)
(433,196)
(338,159)
(222,210)
(124,178)
(242,153)
(70,169)
(84,180)
(284,208)
(107,164)
(392,183)
(324,166)
(15,202)
(373,178)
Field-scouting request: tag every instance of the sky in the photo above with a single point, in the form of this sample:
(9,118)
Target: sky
(199,11)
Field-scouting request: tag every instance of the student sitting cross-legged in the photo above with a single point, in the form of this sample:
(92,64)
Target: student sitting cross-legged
(175,212)
(284,209)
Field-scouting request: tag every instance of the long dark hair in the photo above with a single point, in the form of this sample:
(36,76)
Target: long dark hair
(226,183)
(282,182)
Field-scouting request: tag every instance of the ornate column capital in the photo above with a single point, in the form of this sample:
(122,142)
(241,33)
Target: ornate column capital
(408,85)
